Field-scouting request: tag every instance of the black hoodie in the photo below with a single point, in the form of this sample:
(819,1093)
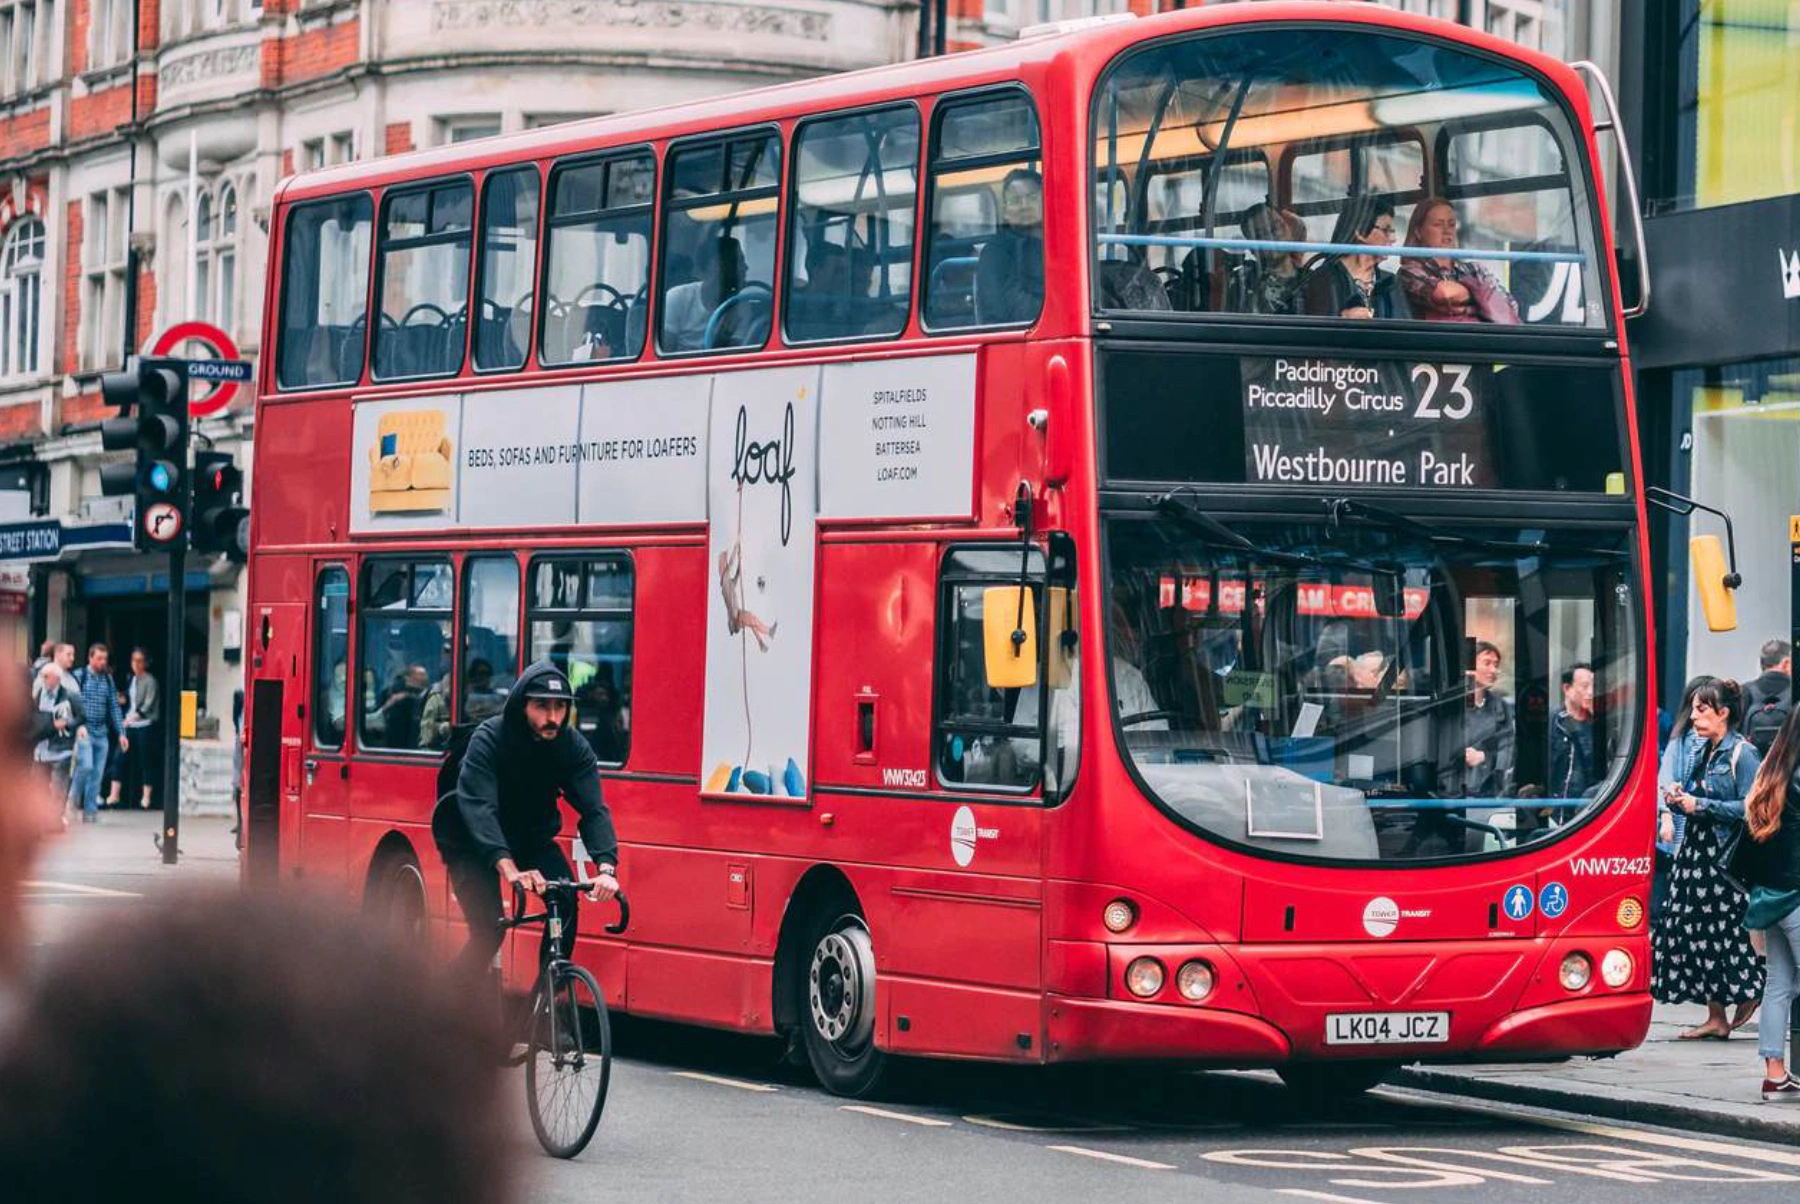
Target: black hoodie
(507,789)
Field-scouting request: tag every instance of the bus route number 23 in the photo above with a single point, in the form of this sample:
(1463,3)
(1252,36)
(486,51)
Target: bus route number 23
(1443,391)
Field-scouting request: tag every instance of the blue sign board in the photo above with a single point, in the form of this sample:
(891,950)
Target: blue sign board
(219,370)
(1553,900)
(1517,902)
(31,541)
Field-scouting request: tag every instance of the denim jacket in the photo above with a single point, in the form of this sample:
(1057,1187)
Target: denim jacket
(1720,788)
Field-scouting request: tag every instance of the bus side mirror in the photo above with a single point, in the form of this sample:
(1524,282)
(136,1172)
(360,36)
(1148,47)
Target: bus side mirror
(1712,578)
(1009,636)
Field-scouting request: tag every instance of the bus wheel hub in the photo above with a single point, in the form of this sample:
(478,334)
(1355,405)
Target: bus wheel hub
(841,985)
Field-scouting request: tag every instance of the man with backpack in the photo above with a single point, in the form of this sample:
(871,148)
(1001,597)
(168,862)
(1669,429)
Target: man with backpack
(1769,699)
(497,818)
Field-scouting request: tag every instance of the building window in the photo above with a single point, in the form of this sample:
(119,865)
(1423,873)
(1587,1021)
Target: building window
(312,154)
(106,239)
(215,258)
(109,32)
(537,121)
(21,290)
(468,128)
(26,36)
(343,147)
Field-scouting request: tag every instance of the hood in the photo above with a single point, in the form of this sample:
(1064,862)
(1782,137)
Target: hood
(515,701)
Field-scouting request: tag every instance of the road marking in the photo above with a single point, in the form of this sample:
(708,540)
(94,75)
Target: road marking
(930,1122)
(1697,1145)
(78,890)
(1103,1156)
(719,1080)
(1321,1195)
(1020,1126)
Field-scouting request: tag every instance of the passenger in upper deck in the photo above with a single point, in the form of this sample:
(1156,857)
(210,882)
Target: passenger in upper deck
(1351,286)
(1450,290)
(1009,279)
(1268,281)
(688,307)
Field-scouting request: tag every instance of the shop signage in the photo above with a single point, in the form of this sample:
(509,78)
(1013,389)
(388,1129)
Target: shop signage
(31,541)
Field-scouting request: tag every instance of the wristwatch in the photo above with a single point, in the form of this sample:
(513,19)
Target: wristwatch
(609,870)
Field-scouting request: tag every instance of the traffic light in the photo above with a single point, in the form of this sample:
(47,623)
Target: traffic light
(219,513)
(151,395)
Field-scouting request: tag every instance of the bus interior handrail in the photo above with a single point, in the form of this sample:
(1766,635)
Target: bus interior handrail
(1337,248)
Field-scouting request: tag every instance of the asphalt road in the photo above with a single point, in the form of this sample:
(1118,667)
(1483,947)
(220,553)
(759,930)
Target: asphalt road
(707,1117)
(702,1116)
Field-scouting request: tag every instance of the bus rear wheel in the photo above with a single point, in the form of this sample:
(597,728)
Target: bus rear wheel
(1326,1081)
(397,899)
(837,995)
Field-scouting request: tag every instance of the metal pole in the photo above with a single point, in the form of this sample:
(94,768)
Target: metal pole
(941,26)
(176,675)
(925,28)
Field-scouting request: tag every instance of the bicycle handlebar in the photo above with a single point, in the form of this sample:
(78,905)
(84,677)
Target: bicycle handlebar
(570,886)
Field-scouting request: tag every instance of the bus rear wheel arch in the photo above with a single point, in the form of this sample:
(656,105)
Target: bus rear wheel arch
(394,893)
(826,990)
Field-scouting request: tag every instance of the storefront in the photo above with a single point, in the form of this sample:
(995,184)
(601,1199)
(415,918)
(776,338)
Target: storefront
(1718,355)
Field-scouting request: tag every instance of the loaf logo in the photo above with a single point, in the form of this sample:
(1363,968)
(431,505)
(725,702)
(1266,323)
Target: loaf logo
(410,463)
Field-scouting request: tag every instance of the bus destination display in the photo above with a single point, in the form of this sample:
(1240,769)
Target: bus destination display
(1341,422)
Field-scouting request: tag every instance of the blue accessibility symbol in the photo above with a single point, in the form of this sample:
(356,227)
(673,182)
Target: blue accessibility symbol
(1517,902)
(1553,900)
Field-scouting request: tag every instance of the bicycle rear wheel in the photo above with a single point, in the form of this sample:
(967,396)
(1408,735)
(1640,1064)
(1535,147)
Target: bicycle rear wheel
(569,1061)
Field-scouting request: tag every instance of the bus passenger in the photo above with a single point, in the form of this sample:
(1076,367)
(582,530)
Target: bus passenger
(1572,736)
(1009,279)
(688,308)
(1450,290)
(824,305)
(1268,281)
(1351,286)
(1489,729)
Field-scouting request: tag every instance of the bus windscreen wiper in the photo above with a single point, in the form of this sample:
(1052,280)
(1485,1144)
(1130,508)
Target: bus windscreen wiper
(1339,508)
(1175,506)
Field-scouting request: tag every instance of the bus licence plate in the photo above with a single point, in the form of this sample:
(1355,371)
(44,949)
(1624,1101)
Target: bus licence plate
(1387,1028)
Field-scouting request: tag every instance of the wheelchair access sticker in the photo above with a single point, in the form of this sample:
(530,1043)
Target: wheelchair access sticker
(1553,900)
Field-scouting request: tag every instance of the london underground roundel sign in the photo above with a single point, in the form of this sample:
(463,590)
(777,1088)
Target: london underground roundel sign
(216,341)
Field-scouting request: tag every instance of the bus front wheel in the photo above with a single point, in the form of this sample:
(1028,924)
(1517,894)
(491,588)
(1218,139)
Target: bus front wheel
(1325,1081)
(837,994)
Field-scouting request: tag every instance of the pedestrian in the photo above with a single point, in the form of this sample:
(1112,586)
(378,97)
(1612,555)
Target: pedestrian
(1572,735)
(1768,862)
(143,723)
(118,756)
(1680,750)
(1700,953)
(55,751)
(46,653)
(105,722)
(1769,699)
(249,1065)
(26,819)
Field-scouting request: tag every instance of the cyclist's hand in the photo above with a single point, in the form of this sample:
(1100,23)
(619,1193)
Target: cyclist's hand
(603,888)
(532,881)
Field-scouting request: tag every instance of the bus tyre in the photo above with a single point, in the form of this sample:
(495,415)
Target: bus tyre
(1325,1081)
(397,898)
(837,995)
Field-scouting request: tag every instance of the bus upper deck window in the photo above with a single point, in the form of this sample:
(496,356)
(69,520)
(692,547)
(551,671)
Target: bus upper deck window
(509,220)
(424,281)
(324,293)
(850,251)
(985,245)
(1336,174)
(597,263)
(718,251)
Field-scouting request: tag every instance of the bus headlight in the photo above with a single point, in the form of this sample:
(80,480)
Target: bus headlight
(1615,968)
(1119,915)
(1144,977)
(1577,971)
(1194,980)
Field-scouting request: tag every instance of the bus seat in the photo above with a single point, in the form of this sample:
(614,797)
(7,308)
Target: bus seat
(1128,284)
(950,290)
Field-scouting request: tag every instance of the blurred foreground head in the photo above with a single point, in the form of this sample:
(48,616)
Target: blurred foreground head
(27,811)
(248,1048)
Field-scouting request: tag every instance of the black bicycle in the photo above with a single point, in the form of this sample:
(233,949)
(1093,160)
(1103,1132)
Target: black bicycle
(568,1038)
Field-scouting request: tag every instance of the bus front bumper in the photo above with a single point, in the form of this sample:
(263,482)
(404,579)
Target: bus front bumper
(1082,1030)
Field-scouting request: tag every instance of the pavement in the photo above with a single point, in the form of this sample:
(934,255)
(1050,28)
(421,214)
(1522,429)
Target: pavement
(1702,1086)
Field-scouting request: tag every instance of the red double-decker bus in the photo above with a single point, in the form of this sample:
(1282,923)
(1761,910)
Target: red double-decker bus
(1122,546)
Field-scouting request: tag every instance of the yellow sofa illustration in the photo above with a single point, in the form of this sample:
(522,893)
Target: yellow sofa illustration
(409,466)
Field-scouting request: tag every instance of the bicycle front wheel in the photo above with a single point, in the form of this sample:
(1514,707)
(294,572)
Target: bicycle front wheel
(569,1060)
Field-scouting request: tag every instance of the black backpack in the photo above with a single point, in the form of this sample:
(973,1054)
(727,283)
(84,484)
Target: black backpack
(1764,715)
(450,766)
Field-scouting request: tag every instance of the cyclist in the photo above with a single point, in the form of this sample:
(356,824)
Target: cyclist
(501,822)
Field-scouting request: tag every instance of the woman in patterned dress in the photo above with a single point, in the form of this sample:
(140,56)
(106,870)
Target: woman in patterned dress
(1700,952)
